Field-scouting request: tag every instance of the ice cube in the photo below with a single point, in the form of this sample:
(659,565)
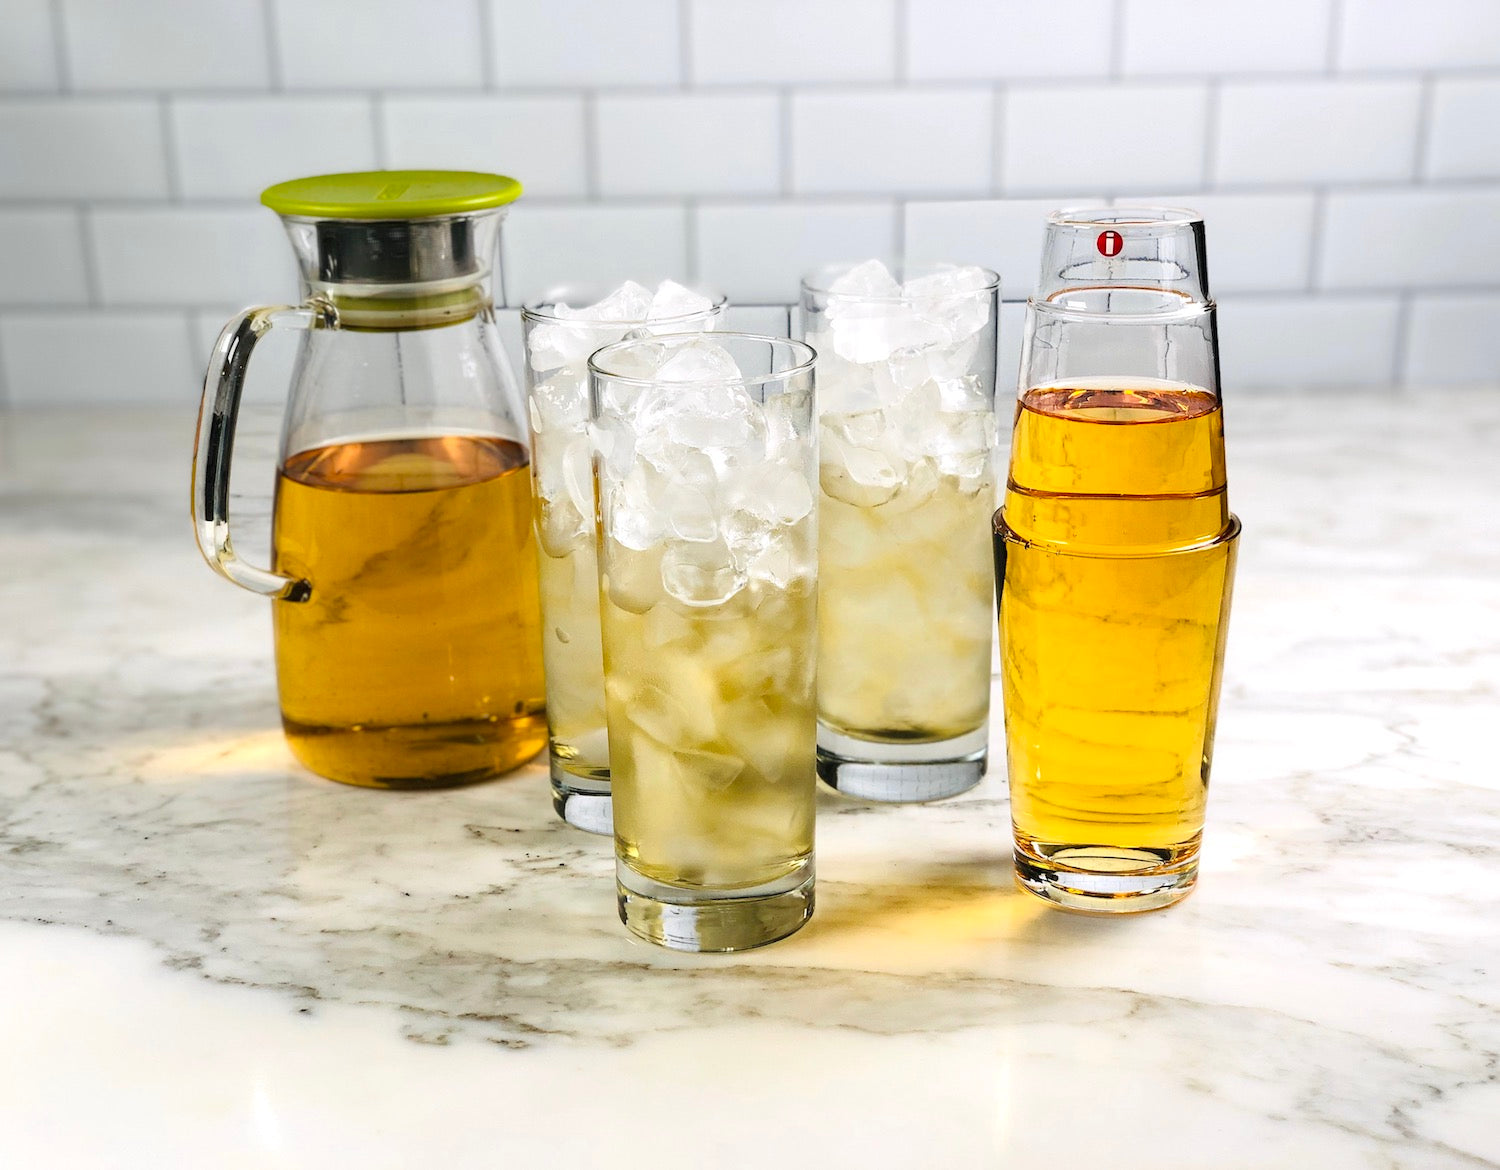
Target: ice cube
(869,279)
(560,527)
(578,474)
(701,574)
(954,299)
(690,515)
(627,304)
(675,300)
(713,771)
(561,403)
(774,492)
(699,362)
(636,516)
(632,577)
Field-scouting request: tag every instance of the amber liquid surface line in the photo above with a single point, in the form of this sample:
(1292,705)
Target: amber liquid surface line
(416,662)
(1117,549)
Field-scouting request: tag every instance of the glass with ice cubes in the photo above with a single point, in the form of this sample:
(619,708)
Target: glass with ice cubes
(562,329)
(907,431)
(706,463)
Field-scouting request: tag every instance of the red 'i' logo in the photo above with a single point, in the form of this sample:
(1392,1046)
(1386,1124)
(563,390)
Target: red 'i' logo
(1110,243)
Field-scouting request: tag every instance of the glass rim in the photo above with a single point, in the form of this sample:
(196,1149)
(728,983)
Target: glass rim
(536,309)
(1187,309)
(817,279)
(1132,215)
(805,364)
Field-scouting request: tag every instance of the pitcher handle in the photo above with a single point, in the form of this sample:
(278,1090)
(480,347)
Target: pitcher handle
(217,414)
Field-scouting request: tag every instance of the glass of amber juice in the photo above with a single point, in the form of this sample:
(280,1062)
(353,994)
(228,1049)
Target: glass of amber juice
(1115,557)
(706,464)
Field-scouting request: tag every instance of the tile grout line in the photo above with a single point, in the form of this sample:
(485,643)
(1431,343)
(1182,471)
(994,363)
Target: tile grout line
(690,240)
(900,45)
(1117,40)
(1426,97)
(190,326)
(1335,34)
(169,149)
(378,127)
(1211,116)
(60,47)
(899,229)
(90,251)
(591,159)
(273,45)
(1315,240)
(486,45)
(997,141)
(1401,340)
(785,155)
(685,44)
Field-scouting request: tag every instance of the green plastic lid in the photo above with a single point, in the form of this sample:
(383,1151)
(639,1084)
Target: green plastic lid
(391,194)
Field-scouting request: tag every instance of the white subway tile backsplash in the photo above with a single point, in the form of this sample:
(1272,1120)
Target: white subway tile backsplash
(1307,341)
(582,43)
(192,256)
(1003,234)
(1464,139)
(770,320)
(88,358)
(28,56)
(371,44)
(55,148)
(781,41)
(1344,152)
(1176,37)
(1133,137)
(689,144)
(44,263)
(548,246)
(1318,131)
(1451,339)
(235,147)
(1256,243)
(876,141)
(1413,238)
(952,40)
(539,140)
(1434,34)
(164,44)
(758,252)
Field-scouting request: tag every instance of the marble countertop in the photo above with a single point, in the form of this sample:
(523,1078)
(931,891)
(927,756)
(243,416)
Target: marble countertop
(211,958)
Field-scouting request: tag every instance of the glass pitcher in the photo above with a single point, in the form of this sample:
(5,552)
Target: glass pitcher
(403,576)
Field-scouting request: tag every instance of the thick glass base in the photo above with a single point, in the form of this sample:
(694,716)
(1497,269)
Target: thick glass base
(902,772)
(583,800)
(1107,879)
(714,920)
(416,756)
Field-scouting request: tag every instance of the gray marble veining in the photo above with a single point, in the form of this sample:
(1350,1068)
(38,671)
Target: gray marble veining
(1331,990)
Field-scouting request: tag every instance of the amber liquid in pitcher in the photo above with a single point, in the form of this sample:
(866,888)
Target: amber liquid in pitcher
(416,661)
(1118,554)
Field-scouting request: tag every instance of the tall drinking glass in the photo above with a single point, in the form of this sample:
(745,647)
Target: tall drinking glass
(708,549)
(562,329)
(906,386)
(1115,557)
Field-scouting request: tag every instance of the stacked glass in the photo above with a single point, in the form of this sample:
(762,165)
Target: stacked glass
(1115,557)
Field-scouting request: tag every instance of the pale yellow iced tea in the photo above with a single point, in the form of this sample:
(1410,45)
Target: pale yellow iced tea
(905,624)
(1116,554)
(713,772)
(574,658)
(416,661)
